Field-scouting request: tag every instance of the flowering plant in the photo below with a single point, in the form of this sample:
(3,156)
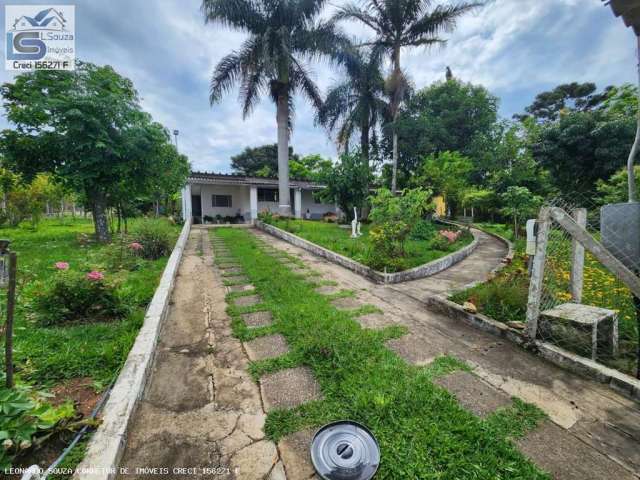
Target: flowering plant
(136,246)
(450,235)
(62,265)
(95,276)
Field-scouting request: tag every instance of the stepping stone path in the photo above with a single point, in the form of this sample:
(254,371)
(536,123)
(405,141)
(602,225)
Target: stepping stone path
(239,279)
(247,301)
(269,346)
(289,388)
(232,271)
(474,394)
(294,450)
(257,319)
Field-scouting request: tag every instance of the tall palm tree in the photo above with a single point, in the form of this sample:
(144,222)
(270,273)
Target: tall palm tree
(398,24)
(356,103)
(283,35)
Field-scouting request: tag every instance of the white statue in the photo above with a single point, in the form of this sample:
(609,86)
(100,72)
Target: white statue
(355,225)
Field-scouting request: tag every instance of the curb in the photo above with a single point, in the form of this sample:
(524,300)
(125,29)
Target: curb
(421,271)
(105,449)
(585,367)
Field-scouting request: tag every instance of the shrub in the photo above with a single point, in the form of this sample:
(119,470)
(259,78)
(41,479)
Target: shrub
(155,238)
(423,230)
(78,297)
(25,417)
(440,242)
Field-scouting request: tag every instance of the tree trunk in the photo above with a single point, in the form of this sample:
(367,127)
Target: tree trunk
(282,118)
(99,210)
(395,109)
(364,141)
(631,174)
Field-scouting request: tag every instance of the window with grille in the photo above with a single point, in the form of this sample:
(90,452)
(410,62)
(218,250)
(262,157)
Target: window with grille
(221,200)
(267,195)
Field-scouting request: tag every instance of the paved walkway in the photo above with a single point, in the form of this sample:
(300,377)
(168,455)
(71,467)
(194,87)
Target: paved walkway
(201,408)
(592,433)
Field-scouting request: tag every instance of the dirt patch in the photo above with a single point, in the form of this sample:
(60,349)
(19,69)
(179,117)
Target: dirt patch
(80,391)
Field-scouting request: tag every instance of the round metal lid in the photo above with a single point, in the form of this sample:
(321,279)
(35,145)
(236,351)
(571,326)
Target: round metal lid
(345,451)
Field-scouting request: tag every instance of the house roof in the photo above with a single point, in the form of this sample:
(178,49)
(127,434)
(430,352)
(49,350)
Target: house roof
(236,179)
(629,10)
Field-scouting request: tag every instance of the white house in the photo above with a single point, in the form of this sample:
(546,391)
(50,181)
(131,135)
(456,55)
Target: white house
(241,198)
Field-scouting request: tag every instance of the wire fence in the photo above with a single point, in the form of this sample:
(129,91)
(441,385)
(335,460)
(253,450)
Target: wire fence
(584,307)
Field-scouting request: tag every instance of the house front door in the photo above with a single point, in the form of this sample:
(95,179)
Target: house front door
(196,208)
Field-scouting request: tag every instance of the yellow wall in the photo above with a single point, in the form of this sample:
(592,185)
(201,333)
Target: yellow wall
(441,206)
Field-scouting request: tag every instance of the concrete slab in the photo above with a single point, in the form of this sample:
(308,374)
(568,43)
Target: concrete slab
(328,290)
(375,321)
(231,271)
(289,388)
(237,279)
(566,458)
(294,451)
(240,288)
(174,390)
(409,349)
(257,319)
(474,394)
(247,300)
(255,461)
(348,303)
(269,346)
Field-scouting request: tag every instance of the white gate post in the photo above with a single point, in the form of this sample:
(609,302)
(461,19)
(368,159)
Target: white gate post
(577,258)
(537,273)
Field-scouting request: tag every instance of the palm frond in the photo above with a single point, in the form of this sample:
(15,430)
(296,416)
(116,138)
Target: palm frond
(241,14)
(441,19)
(354,12)
(226,74)
(300,79)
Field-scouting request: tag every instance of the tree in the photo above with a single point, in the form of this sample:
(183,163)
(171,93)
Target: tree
(578,97)
(616,188)
(282,35)
(347,183)
(446,174)
(309,167)
(519,203)
(446,116)
(356,104)
(582,148)
(253,160)
(85,127)
(398,24)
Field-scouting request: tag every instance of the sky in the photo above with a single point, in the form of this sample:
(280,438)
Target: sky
(515,48)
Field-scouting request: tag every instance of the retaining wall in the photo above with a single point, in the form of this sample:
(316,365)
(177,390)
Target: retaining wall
(107,443)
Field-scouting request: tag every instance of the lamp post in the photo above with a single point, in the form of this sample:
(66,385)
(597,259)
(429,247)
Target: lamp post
(8,269)
(175,134)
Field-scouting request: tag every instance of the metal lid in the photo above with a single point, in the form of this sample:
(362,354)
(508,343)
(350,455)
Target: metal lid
(345,451)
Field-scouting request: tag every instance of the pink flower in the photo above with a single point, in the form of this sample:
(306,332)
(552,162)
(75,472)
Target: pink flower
(135,246)
(449,235)
(95,276)
(62,265)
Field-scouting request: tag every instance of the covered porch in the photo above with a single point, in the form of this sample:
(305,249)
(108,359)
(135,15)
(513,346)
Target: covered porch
(220,198)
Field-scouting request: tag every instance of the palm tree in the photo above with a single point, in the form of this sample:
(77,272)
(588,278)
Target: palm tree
(398,24)
(283,35)
(356,103)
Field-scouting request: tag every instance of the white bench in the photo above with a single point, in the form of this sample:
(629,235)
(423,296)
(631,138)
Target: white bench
(584,318)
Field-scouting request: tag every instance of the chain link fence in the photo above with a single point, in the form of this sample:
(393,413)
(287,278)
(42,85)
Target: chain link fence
(584,307)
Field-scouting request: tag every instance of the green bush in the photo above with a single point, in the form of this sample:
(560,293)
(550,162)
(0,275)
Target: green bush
(504,300)
(423,230)
(78,297)
(24,417)
(439,242)
(155,237)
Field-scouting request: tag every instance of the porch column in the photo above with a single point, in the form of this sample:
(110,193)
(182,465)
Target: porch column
(253,202)
(186,202)
(298,202)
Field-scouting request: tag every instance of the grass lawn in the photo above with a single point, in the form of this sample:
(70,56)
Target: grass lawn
(332,237)
(48,356)
(505,297)
(422,430)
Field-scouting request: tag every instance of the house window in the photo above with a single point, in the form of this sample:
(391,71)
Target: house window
(221,201)
(316,200)
(267,195)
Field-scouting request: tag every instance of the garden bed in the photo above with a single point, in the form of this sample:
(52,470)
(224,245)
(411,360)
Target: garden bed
(57,352)
(334,243)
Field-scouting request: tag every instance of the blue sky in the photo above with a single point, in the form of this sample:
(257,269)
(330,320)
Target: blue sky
(515,48)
